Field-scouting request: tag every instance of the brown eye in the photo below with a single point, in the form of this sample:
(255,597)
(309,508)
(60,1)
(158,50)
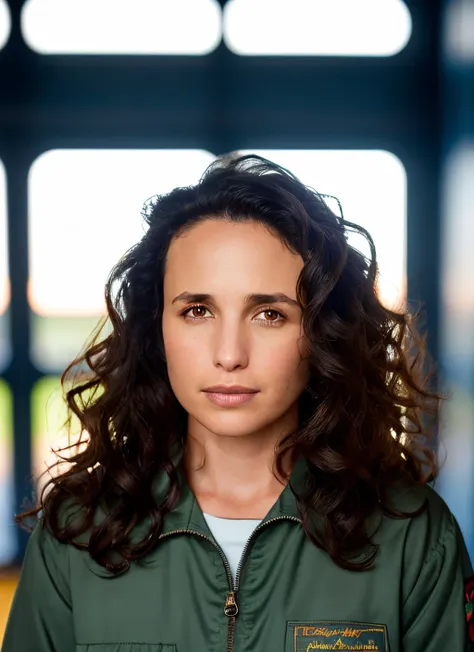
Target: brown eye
(186,314)
(197,313)
(271,312)
(197,309)
(280,318)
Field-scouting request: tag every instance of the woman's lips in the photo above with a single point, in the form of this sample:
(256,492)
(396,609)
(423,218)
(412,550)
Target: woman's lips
(229,400)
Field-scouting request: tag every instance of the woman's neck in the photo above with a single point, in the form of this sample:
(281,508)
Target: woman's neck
(232,477)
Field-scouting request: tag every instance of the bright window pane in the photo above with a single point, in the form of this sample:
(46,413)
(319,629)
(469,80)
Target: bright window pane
(84,213)
(5,351)
(122,27)
(371,186)
(458,27)
(48,414)
(457,336)
(5,23)
(317,27)
(7,526)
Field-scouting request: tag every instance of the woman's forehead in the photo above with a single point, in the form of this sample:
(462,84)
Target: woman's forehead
(216,248)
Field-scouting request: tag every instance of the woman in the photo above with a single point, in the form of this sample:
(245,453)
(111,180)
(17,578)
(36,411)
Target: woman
(255,474)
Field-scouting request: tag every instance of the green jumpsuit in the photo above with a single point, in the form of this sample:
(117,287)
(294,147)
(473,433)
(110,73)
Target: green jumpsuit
(287,596)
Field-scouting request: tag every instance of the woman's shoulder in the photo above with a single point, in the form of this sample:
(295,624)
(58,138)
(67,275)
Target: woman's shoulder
(435,519)
(54,555)
(48,540)
(431,536)
(46,560)
(428,553)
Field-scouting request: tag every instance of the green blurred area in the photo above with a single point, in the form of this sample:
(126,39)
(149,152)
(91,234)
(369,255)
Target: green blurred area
(6,415)
(48,410)
(57,340)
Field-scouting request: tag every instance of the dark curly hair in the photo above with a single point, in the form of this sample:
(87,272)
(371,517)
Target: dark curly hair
(363,416)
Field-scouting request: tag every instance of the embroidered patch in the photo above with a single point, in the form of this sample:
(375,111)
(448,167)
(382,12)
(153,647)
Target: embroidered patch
(335,635)
(469,595)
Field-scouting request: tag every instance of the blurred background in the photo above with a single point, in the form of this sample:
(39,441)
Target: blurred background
(104,103)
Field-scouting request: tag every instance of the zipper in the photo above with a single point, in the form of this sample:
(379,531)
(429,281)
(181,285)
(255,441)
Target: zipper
(231,606)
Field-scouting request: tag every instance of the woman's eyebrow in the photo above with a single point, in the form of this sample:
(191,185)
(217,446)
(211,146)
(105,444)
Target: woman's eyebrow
(250,299)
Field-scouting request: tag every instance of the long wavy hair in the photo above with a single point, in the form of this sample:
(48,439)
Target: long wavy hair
(367,418)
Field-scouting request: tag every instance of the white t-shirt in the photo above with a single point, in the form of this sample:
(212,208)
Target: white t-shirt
(232,535)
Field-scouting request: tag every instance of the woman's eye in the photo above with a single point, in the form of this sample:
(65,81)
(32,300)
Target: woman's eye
(194,308)
(190,313)
(274,313)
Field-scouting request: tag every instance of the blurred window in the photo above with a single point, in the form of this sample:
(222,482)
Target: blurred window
(49,433)
(5,23)
(458,31)
(457,335)
(190,27)
(7,526)
(84,214)
(5,348)
(371,187)
(317,27)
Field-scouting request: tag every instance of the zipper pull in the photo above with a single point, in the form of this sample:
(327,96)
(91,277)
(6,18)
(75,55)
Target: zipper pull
(231,607)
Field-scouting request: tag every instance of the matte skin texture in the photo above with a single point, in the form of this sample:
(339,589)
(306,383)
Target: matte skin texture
(230,451)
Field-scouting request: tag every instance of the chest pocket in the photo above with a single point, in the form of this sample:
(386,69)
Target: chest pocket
(127,647)
(340,635)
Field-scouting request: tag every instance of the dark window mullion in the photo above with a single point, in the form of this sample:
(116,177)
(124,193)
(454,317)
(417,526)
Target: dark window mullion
(21,374)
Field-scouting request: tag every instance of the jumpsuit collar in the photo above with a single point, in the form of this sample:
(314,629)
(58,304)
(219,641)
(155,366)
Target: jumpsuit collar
(188,515)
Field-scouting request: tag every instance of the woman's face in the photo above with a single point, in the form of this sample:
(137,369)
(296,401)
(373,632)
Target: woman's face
(229,341)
